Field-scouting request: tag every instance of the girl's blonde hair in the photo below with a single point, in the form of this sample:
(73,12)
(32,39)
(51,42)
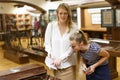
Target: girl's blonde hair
(67,8)
(79,37)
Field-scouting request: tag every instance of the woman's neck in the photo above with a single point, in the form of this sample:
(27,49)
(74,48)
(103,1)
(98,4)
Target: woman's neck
(62,28)
(62,24)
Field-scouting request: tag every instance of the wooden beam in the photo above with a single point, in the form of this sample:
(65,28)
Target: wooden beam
(113,2)
(95,4)
(25,3)
(55,0)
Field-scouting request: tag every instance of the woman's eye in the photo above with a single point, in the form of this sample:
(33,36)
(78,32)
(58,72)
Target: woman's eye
(65,13)
(60,13)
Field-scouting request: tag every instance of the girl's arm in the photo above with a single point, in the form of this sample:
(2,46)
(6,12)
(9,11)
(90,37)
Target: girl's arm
(105,55)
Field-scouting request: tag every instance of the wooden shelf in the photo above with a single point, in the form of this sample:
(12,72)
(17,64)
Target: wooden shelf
(23,20)
(92,29)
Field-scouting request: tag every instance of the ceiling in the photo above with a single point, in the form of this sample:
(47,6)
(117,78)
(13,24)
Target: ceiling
(14,6)
(38,9)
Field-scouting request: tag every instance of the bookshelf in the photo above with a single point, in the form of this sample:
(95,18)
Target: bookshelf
(15,22)
(23,21)
(9,22)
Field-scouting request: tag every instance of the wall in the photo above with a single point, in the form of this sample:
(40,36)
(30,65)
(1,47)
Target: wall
(6,8)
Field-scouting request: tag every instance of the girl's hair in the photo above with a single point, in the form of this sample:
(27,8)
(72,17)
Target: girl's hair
(67,8)
(79,37)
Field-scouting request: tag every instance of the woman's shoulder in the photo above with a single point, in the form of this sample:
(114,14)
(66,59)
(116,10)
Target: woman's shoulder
(74,27)
(52,23)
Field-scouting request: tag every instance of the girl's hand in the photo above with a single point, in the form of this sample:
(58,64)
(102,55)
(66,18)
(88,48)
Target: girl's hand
(90,70)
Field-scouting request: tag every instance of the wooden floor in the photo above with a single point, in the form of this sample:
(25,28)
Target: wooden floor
(7,64)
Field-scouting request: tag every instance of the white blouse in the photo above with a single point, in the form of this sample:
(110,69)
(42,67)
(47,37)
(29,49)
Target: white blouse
(59,45)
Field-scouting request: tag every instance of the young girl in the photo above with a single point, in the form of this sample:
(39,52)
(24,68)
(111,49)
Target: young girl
(96,58)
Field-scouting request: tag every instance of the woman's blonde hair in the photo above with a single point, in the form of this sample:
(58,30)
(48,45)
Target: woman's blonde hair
(79,37)
(67,8)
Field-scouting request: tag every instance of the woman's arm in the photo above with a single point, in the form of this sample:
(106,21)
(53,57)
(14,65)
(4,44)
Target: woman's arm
(65,56)
(48,39)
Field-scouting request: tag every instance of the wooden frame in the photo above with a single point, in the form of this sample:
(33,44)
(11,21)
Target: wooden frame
(107,18)
(117,17)
(1,23)
(52,15)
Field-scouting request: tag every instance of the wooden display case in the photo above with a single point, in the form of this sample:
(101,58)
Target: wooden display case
(26,72)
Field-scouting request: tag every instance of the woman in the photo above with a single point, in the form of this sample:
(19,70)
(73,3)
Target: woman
(57,44)
(96,58)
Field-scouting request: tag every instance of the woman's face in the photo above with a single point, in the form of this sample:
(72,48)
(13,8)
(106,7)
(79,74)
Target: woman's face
(75,45)
(62,15)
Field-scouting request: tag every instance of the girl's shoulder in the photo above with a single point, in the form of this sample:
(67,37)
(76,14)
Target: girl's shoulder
(94,44)
(74,27)
(95,47)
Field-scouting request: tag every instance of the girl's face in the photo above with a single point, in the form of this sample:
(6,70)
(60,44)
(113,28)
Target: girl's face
(62,15)
(76,46)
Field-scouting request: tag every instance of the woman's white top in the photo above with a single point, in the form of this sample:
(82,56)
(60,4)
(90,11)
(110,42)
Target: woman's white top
(59,45)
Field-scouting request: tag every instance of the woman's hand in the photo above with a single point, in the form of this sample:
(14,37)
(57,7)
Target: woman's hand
(56,62)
